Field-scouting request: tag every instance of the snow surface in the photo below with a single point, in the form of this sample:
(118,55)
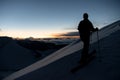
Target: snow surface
(57,65)
(13,57)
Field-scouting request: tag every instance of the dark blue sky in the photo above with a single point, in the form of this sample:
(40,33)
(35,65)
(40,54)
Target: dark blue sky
(42,18)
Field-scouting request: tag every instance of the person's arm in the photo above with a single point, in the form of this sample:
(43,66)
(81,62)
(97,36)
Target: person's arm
(92,28)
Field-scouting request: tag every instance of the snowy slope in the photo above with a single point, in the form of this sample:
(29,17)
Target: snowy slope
(13,57)
(61,63)
(108,69)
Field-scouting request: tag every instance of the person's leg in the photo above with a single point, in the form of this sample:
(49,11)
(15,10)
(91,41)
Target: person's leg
(85,50)
(86,47)
(83,54)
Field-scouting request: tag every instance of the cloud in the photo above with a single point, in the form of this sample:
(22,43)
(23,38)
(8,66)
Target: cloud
(74,34)
(70,34)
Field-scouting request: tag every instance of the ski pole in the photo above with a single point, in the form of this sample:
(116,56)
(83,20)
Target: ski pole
(90,40)
(99,46)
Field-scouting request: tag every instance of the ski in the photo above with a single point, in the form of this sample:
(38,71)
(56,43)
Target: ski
(92,55)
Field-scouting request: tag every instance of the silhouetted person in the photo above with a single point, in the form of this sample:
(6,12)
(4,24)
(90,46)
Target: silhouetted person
(85,27)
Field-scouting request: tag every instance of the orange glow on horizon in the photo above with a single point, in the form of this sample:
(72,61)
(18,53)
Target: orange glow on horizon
(35,34)
(20,34)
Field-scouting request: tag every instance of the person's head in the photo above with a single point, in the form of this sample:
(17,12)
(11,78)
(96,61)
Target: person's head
(85,16)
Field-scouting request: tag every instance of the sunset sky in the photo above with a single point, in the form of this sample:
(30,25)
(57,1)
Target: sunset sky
(48,18)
